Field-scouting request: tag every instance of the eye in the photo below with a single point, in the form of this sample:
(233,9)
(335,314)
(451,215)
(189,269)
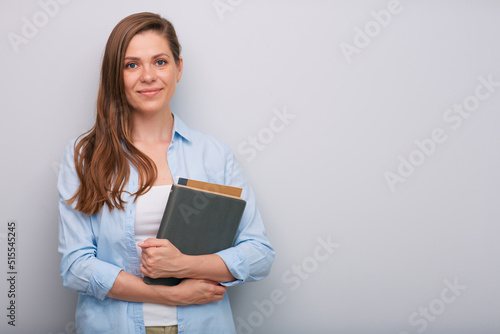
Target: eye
(161,62)
(131,65)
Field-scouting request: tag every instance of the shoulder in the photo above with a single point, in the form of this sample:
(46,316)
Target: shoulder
(209,141)
(72,144)
(69,151)
(67,167)
(210,158)
(201,141)
(68,181)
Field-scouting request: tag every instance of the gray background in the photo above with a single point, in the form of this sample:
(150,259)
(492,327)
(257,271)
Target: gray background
(320,175)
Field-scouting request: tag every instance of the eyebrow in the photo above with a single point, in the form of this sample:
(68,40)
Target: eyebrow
(155,56)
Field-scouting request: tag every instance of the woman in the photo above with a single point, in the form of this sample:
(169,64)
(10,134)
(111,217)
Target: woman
(114,182)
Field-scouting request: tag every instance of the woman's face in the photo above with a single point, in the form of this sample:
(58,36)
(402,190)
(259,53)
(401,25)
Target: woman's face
(150,73)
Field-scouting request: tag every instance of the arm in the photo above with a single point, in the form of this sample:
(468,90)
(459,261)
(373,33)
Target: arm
(83,272)
(132,288)
(249,259)
(162,259)
(252,255)
(80,269)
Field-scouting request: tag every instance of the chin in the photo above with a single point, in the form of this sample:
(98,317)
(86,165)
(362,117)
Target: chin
(151,109)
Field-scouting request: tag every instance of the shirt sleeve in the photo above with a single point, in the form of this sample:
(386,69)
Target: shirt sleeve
(251,256)
(80,269)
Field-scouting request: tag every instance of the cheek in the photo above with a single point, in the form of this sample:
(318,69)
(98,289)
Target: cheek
(128,82)
(168,76)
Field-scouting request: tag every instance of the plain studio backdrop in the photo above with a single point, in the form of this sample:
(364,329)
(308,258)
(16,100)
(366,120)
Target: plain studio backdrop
(368,129)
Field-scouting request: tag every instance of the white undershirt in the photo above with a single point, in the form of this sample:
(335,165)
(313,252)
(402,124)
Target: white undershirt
(148,214)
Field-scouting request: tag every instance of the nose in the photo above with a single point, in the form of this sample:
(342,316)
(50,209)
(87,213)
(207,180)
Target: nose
(148,74)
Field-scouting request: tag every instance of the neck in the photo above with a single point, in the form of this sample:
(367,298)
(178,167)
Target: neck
(153,128)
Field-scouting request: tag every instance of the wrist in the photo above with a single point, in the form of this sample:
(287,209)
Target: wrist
(188,265)
(166,295)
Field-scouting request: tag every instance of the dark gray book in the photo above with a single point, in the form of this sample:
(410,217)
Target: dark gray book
(200,218)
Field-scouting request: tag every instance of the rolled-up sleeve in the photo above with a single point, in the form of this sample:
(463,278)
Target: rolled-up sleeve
(80,269)
(252,255)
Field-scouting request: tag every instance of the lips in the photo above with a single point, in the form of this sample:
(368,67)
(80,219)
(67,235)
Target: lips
(149,92)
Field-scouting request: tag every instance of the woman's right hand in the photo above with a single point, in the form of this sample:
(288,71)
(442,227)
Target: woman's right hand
(198,291)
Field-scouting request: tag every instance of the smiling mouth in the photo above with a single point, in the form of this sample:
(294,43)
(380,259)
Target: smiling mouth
(150,92)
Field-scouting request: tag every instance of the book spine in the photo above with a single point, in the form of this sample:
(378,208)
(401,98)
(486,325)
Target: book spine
(169,209)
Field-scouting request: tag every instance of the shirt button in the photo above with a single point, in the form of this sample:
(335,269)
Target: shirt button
(181,326)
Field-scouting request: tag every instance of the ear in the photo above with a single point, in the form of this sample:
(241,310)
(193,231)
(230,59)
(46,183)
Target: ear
(180,67)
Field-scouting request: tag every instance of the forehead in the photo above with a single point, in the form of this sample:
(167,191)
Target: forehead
(147,43)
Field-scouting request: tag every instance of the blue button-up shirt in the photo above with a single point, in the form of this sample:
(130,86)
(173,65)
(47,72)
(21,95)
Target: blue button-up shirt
(96,248)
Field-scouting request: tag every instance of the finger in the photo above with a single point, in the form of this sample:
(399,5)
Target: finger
(152,242)
(220,290)
(150,252)
(148,262)
(149,273)
(211,282)
(146,252)
(216,288)
(144,271)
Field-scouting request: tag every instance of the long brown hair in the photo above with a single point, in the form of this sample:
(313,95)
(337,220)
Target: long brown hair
(103,154)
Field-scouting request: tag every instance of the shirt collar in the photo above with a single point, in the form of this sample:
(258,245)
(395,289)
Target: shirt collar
(181,129)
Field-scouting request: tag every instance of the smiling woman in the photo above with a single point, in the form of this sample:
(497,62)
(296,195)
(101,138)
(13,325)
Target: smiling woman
(150,74)
(114,183)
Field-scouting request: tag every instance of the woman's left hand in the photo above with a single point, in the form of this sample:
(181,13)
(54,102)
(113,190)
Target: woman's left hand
(160,258)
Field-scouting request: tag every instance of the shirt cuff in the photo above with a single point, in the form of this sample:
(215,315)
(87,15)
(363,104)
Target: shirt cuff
(236,264)
(102,279)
